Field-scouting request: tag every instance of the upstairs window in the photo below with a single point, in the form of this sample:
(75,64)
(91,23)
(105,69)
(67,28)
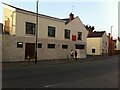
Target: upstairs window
(51,31)
(7,26)
(79,35)
(30,28)
(67,33)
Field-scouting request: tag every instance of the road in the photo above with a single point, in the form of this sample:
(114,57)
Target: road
(90,74)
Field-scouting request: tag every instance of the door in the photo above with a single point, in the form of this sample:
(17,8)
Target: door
(30,50)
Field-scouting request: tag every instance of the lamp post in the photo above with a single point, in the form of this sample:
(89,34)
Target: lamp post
(111,41)
(36,32)
(111,30)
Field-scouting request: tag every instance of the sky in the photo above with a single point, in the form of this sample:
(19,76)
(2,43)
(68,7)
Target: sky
(99,13)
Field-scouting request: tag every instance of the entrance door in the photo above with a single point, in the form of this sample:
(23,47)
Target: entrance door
(30,50)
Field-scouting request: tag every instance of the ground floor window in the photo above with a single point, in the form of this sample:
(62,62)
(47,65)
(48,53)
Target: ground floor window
(19,44)
(79,46)
(93,50)
(39,45)
(64,46)
(51,46)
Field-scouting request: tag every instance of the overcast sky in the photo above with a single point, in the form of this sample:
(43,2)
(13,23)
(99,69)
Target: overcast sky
(99,13)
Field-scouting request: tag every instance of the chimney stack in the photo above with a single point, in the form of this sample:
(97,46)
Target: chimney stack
(71,17)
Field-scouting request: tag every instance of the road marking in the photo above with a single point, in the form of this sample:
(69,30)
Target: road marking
(49,86)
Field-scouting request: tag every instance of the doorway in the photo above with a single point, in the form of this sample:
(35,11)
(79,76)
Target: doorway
(30,50)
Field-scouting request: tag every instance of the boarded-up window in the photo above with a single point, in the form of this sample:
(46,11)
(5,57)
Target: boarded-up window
(7,26)
(73,37)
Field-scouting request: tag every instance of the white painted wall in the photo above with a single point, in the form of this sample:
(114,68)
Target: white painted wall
(93,43)
(98,43)
(21,17)
(118,45)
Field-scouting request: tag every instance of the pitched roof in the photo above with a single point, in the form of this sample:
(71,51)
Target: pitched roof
(66,20)
(34,13)
(96,34)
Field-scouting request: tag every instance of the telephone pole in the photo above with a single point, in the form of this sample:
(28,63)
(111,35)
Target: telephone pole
(36,32)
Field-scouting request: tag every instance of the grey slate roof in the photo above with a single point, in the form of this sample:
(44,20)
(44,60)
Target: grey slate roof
(34,13)
(66,20)
(96,34)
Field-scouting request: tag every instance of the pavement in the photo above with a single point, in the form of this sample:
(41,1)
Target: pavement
(52,62)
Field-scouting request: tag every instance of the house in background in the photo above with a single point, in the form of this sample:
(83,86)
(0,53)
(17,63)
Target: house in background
(97,43)
(113,45)
(118,44)
(56,37)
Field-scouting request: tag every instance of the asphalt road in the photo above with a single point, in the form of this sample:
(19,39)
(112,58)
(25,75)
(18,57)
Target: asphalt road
(91,74)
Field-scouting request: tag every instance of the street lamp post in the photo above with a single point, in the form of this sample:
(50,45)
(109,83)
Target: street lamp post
(111,42)
(36,32)
(111,30)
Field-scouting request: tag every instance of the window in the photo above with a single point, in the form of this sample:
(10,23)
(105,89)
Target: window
(51,31)
(19,44)
(51,46)
(106,44)
(7,26)
(30,28)
(79,35)
(64,46)
(93,50)
(77,46)
(39,45)
(67,33)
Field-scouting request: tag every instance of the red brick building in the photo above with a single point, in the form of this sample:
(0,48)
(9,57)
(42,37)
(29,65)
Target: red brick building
(111,45)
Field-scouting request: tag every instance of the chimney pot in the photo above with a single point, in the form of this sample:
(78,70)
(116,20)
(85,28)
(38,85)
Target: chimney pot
(71,17)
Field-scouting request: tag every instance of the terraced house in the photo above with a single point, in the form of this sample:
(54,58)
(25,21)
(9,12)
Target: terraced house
(56,37)
(97,43)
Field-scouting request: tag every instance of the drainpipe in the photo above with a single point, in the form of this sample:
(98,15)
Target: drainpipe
(12,20)
(100,46)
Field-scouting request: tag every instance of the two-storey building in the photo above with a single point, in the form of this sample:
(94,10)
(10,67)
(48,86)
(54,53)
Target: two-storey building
(118,44)
(97,43)
(56,37)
